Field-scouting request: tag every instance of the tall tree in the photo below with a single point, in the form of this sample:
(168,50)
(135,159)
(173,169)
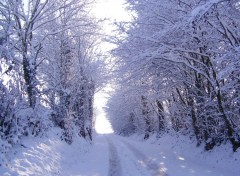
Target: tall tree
(181,49)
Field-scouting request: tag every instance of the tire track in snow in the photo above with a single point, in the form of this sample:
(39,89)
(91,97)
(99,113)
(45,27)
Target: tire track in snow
(153,167)
(114,161)
(130,163)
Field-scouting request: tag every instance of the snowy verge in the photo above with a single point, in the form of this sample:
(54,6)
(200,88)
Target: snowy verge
(45,155)
(177,151)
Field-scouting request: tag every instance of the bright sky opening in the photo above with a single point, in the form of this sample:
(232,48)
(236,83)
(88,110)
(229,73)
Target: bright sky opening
(102,125)
(112,10)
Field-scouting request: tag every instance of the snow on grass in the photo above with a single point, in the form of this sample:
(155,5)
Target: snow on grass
(49,156)
(179,156)
(169,155)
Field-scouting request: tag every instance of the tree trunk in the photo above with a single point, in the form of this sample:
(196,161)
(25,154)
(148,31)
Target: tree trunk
(30,80)
(161,118)
(145,113)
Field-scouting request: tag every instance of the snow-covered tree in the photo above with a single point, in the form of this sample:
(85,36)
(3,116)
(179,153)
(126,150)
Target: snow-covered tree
(49,68)
(178,55)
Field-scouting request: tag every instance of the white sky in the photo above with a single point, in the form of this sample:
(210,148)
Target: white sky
(102,125)
(115,11)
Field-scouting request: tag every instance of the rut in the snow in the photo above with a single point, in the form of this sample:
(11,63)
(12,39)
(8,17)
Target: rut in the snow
(153,167)
(114,161)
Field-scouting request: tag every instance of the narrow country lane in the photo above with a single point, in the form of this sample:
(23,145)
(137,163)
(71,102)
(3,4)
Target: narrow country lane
(108,155)
(114,160)
(123,154)
(128,157)
(152,166)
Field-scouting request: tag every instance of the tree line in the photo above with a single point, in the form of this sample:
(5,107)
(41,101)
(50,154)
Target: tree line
(178,69)
(49,69)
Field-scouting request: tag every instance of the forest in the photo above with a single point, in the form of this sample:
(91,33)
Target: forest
(178,69)
(175,68)
(50,69)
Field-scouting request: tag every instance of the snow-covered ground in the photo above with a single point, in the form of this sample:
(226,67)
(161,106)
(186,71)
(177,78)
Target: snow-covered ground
(180,157)
(118,156)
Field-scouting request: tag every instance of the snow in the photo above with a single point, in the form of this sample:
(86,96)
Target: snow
(102,124)
(179,156)
(114,155)
(50,156)
(199,11)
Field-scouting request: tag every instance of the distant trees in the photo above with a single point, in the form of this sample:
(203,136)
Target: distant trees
(181,57)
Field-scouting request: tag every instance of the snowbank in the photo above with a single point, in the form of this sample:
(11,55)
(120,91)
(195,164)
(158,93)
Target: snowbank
(180,156)
(46,155)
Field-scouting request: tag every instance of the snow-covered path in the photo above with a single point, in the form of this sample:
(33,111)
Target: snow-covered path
(128,157)
(114,160)
(131,159)
(152,166)
(112,155)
